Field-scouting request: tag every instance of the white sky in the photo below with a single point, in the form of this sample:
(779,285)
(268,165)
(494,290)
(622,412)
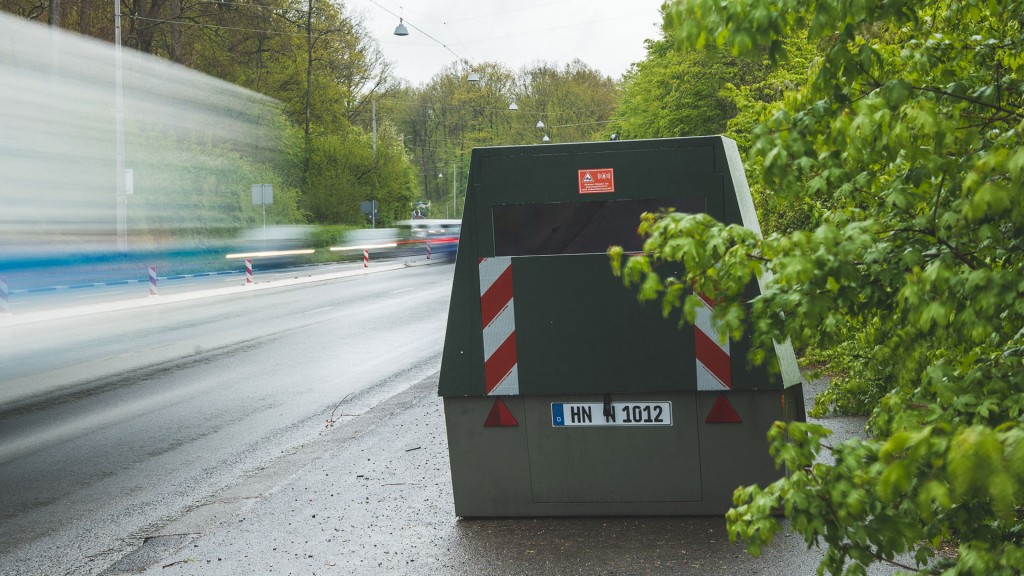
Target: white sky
(606,34)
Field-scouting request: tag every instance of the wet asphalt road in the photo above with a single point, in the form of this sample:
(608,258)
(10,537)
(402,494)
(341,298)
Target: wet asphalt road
(373,496)
(113,423)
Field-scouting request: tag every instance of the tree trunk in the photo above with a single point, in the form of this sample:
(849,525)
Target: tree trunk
(149,11)
(177,51)
(53,19)
(85,18)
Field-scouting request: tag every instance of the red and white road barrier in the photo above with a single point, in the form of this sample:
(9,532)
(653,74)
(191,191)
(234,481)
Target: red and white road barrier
(248,271)
(152,281)
(366,258)
(497,307)
(5,299)
(714,372)
(428,250)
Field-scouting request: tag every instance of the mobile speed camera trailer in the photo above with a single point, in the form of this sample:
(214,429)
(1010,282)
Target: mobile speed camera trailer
(563,395)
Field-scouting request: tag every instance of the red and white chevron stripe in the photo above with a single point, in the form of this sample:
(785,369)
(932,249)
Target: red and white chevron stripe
(713,366)
(501,373)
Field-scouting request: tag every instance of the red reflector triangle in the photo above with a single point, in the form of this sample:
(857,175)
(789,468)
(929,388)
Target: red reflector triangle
(722,412)
(500,416)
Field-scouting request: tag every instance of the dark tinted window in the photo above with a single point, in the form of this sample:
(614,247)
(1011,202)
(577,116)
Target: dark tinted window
(576,227)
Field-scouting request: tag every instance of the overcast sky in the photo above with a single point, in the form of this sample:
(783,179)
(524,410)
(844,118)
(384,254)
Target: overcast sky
(606,34)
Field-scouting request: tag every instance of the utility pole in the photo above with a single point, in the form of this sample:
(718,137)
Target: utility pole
(373,121)
(122,195)
(309,69)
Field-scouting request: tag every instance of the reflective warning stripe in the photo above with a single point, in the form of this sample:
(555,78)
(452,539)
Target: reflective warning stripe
(713,366)
(497,309)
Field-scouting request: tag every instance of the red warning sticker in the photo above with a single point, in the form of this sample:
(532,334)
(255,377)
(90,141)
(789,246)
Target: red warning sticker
(500,415)
(723,412)
(597,181)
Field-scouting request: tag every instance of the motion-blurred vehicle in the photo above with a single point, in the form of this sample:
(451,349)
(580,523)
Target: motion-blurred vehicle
(409,239)
(274,246)
(441,235)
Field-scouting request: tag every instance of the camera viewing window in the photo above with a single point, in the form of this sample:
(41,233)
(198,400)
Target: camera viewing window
(576,227)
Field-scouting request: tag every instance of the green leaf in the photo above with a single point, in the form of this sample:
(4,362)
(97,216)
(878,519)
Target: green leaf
(896,92)
(991,199)
(615,258)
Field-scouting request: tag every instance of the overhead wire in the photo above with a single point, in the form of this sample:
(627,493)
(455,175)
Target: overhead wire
(420,30)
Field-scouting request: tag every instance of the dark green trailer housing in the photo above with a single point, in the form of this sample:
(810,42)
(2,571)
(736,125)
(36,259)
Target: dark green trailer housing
(563,395)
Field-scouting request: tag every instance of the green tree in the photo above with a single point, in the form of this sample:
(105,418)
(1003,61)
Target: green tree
(909,131)
(444,120)
(680,92)
(574,102)
(694,92)
(343,172)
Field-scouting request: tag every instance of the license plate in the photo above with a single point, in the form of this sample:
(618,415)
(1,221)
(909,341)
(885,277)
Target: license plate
(621,414)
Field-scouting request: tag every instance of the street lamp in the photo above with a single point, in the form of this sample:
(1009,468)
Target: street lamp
(401,30)
(540,126)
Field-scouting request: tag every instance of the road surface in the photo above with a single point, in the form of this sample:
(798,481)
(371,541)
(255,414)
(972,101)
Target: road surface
(287,430)
(114,422)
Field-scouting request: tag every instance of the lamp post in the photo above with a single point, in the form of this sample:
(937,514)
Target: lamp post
(440,178)
(122,195)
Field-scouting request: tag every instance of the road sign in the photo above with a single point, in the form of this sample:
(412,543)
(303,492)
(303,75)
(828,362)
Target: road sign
(262,194)
(369,209)
(597,181)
